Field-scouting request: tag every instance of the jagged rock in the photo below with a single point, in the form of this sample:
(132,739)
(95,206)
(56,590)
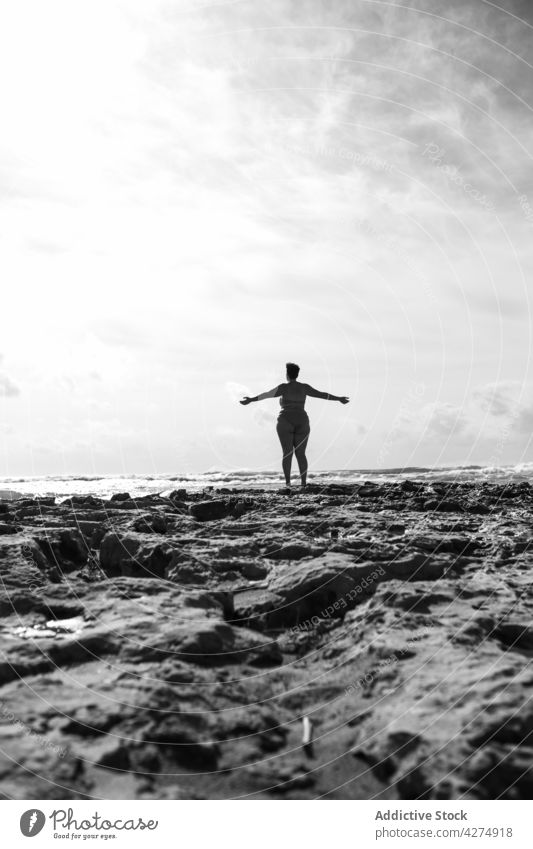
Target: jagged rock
(22,572)
(134,554)
(408,644)
(62,547)
(324,586)
(92,532)
(256,607)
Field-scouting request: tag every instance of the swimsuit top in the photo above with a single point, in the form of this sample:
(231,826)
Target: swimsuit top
(293,396)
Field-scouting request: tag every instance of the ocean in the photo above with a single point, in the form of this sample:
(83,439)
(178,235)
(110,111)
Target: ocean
(137,485)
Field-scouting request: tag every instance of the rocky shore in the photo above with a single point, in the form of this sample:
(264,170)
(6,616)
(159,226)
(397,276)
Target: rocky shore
(364,641)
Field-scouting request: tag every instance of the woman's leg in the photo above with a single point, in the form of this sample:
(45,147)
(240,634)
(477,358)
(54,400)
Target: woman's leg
(286,435)
(300,445)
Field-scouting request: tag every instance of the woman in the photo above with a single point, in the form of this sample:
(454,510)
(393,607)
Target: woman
(293,422)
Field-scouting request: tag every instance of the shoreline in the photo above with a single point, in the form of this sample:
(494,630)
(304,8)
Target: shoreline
(106,486)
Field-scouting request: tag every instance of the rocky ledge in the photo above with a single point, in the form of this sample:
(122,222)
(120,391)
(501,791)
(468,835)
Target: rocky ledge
(369,641)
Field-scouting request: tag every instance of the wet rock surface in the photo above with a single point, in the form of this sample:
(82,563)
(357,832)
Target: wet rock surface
(170,647)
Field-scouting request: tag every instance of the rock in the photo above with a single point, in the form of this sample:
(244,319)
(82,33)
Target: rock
(92,532)
(91,644)
(200,638)
(25,658)
(324,586)
(62,547)
(292,551)
(6,528)
(517,635)
(129,656)
(444,543)
(252,607)
(205,511)
(246,529)
(500,772)
(21,661)
(240,507)
(219,600)
(86,502)
(448,506)
(477,507)
(249,569)
(151,523)
(417,598)
(418,567)
(137,555)
(182,744)
(116,757)
(189,572)
(444,703)
(253,571)
(178,495)
(221,643)
(22,571)
(120,496)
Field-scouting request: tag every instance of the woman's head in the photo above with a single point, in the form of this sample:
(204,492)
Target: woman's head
(292,371)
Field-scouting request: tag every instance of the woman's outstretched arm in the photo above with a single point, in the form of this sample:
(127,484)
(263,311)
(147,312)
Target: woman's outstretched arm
(326,396)
(272,393)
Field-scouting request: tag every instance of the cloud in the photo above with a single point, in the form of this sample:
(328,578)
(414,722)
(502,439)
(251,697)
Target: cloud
(121,333)
(444,420)
(8,389)
(509,401)
(524,420)
(228,432)
(233,180)
(262,417)
(498,399)
(236,391)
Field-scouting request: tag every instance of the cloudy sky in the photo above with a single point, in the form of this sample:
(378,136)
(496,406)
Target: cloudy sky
(193,193)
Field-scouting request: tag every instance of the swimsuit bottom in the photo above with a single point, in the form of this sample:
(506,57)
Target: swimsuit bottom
(293,421)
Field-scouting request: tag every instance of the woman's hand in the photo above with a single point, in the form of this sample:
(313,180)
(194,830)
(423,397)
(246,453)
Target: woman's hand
(343,399)
(244,401)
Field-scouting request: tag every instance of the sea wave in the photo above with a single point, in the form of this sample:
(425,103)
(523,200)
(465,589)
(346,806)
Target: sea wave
(138,484)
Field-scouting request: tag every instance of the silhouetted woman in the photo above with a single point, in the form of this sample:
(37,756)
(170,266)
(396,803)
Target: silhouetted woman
(293,423)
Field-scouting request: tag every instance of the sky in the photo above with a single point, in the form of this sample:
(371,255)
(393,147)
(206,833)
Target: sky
(193,194)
